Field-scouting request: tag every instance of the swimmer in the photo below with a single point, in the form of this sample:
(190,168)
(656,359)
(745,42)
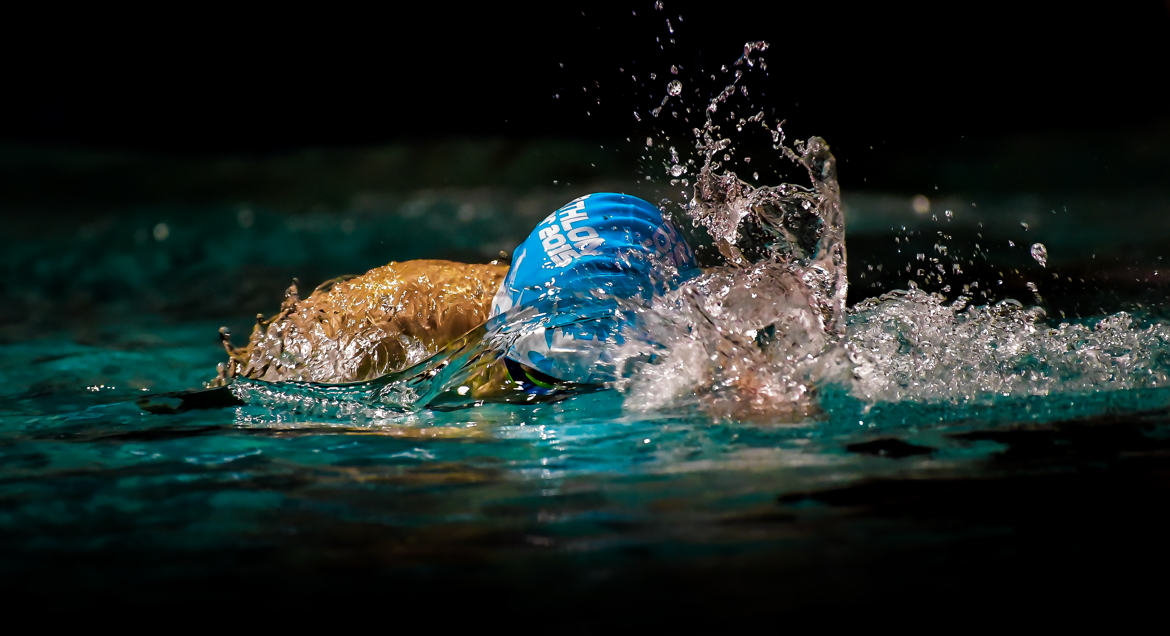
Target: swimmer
(580,271)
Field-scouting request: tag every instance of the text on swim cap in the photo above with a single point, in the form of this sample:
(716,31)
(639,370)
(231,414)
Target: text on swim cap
(666,242)
(564,243)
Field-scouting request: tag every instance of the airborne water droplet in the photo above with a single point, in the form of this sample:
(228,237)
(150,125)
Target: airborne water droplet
(677,170)
(674,87)
(1040,253)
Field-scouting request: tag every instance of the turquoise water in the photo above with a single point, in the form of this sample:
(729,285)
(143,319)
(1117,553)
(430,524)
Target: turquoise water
(871,501)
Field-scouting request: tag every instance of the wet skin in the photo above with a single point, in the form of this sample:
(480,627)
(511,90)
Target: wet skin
(359,328)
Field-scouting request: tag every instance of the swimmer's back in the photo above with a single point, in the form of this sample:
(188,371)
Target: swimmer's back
(360,328)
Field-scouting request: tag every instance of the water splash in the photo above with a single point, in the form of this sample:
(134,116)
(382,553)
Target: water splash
(914,346)
(754,333)
(1040,254)
(766,329)
(763,324)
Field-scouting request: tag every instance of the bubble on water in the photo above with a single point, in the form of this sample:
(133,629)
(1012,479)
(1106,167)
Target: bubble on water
(161,231)
(1040,254)
(674,87)
(245,217)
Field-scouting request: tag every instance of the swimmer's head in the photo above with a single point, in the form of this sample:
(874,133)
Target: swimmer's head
(581,273)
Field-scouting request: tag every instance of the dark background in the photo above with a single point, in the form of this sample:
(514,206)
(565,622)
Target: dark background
(322,125)
(904,80)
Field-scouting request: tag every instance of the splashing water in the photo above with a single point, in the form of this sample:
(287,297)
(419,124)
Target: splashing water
(910,345)
(767,328)
(1040,254)
(754,334)
(757,331)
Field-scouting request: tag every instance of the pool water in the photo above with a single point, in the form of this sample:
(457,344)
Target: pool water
(912,504)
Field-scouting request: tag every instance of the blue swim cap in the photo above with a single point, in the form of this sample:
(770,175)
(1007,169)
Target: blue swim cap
(583,272)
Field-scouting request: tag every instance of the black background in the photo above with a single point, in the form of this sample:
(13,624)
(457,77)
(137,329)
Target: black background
(197,79)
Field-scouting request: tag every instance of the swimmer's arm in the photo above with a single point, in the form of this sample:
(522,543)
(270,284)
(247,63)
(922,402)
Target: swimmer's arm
(490,383)
(495,383)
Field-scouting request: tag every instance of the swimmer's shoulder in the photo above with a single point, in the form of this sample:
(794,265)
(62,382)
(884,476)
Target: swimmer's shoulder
(431,273)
